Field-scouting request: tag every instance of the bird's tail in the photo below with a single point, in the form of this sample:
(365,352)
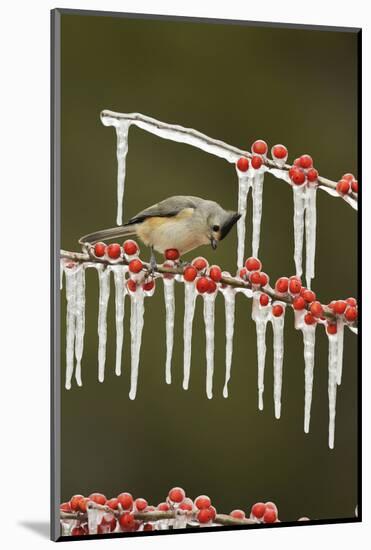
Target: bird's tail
(112,233)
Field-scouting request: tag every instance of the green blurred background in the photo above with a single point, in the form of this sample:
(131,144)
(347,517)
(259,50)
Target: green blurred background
(236,83)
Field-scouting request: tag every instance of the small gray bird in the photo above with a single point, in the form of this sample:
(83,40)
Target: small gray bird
(180,222)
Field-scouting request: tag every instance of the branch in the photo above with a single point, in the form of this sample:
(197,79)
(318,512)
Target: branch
(201,141)
(86,258)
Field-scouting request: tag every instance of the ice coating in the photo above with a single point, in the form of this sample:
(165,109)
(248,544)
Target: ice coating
(119,272)
(122,131)
(257,205)
(309,340)
(340,337)
(299,209)
(332,385)
(61,270)
(190,295)
(229,304)
(278,324)
(310,232)
(95,517)
(209,320)
(79,321)
(170,314)
(104,273)
(70,274)
(261,316)
(136,329)
(244,184)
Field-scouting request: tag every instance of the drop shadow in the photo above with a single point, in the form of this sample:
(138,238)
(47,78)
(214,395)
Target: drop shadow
(41,528)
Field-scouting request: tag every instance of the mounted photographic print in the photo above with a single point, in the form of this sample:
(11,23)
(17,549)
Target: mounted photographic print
(205,357)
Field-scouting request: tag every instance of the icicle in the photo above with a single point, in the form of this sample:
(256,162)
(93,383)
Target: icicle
(80,321)
(257,199)
(340,337)
(244,184)
(309,339)
(209,319)
(229,303)
(261,317)
(70,274)
(332,376)
(299,207)
(170,314)
(122,130)
(136,329)
(278,347)
(61,269)
(120,293)
(190,295)
(104,292)
(310,232)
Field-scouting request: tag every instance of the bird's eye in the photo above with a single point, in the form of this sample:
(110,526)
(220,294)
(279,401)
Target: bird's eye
(216,227)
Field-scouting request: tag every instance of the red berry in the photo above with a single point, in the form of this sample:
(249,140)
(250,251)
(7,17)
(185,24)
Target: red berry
(351,314)
(348,177)
(294,285)
(282,285)
(279,152)
(331,328)
(130,247)
(83,504)
(148,527)
(297,162)
(312,175)
(270,515)
(190,273)
(215,273)
(264,279)
(264,300)
(109,521)
(253,264)
(259,147)
(309,319)
(355,186)
(75,502)
(168,264)
(213,512)
(297,175)
(243,164)
(187,504)
(99,250)
(126,500)
(308,295)
(272,505)
(256,162)
(305,161)
(163,507)
(202,502)
(78,531)
(212,286)
(351,301)
(202,284)
(172,254)
(343,187)
(98,498)
(258,510)
(127,520)
(65,507)
(148,285)
(132,285)
(205,515)
(238,514)
(135,266)
(243,273)
(200,263)
(298,303)
(254,277)
(141,504)
(114,251)
(316,309)
(339,307)
(277,310)
(113,503)
(176,494)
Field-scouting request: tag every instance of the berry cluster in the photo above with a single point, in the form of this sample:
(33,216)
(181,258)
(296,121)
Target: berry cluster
(126,514)
(346,185)
(114,251)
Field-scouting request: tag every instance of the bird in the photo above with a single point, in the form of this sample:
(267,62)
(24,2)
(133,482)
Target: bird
(180,222)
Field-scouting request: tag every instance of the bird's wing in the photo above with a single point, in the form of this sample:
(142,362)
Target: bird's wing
(165,209)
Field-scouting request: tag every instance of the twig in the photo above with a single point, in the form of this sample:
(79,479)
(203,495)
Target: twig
(202,141)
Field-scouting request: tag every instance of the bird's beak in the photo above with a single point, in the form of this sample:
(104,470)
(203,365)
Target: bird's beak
(214,243)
